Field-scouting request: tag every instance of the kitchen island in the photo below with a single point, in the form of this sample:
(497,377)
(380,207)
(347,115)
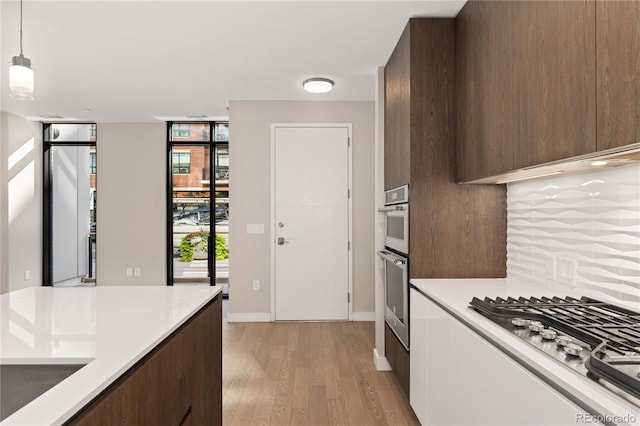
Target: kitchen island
(144,351)
(479,363)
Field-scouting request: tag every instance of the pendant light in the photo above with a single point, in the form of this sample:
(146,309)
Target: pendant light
(20,73)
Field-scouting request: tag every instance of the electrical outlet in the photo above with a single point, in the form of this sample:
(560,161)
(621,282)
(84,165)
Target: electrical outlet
(27,275)
(256,285)
(551,270)
(137,272)
(567,271)
(129,272)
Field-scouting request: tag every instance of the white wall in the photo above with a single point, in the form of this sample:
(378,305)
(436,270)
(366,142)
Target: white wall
(20,202)
(250,192)
(591,219)
(379,349)
(131,200)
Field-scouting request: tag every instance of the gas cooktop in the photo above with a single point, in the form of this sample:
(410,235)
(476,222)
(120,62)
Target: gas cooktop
(594,338)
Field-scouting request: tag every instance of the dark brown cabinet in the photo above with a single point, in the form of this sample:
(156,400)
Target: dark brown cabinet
(618,84)
(542,81)
(484,138)
(178,383)
(554,96)
(398,358)
(397,112)
(455,231)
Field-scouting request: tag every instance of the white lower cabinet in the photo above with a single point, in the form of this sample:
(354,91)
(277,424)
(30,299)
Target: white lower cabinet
(459,378)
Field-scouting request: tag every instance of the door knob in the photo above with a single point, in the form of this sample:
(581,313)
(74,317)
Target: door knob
(282,241)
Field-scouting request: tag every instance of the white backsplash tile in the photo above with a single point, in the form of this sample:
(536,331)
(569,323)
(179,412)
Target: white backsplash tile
(592,219)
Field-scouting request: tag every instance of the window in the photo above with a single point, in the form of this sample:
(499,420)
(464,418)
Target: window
(181,130)
(222,132)
(221,159)
(181,163)
(93,163)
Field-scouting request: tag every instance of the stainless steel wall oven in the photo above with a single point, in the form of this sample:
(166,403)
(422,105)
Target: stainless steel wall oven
(396,262)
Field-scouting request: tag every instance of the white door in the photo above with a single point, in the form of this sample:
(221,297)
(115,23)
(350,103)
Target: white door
(311,223)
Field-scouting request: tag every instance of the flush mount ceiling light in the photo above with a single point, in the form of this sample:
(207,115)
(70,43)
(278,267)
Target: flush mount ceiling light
(318,85)
(20,73)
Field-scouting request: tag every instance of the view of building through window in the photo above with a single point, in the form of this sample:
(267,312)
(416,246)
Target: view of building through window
(195,249)
(69,207)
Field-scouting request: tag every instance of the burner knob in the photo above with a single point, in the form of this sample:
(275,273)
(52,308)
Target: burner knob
(519,322)
(548,334)
(573,349)
(563,340)
(536,326)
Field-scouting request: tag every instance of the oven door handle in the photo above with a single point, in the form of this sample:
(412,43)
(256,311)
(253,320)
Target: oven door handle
(397,208)
(391,258)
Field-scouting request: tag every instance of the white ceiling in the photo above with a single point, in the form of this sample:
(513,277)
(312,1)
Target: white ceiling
(142,61)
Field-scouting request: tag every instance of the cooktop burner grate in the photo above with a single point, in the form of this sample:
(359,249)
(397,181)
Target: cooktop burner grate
(612,333)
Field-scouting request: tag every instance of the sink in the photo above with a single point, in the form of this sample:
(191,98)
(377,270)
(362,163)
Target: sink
(22,383)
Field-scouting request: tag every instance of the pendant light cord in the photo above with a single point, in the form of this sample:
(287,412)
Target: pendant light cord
(21,28)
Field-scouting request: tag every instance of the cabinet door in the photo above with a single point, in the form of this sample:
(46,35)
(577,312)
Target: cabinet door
(169,372)
(553,80)
(418,356)
(398,358)
(465,380)
(206,385)
(618,57)
(484,137)
(397,115)
(121,405)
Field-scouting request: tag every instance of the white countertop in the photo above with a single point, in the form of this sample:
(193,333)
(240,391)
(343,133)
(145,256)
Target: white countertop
(109,328)
(454,296)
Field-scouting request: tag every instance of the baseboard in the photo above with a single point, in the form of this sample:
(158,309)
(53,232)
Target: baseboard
(363,316)
(381,362)
(249,317)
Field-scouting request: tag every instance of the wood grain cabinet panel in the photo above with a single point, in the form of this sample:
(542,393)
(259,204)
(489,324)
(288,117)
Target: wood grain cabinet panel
(206,384)
(398,358)
(618,83)
(178,383)
(553,80)
(455,231)
(484,122)
(397,114)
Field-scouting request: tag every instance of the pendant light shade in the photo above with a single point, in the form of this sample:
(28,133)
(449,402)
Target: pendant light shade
(20,73)
(21,78)
(318,85)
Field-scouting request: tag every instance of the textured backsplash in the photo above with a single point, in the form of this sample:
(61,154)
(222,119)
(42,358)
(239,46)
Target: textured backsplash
(581,230)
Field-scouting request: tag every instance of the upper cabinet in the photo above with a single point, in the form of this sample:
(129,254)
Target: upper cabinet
(554,96)
(526,82)
(397,113)
(456,230)
(484,139)
(618,58)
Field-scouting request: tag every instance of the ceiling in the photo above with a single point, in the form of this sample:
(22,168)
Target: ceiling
(141,61)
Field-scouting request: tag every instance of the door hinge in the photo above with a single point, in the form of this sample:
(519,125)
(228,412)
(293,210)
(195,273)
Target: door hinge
(348,245)
(348,297)
(348,193)
(348,141)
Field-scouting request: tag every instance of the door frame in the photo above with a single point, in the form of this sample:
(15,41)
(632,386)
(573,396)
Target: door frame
(272,227)
(47,196)
(171,144)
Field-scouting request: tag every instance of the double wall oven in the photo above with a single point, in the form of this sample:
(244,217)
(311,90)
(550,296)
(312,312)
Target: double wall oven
(396,262)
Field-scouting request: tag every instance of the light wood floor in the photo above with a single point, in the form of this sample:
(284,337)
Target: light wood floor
(307,373)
